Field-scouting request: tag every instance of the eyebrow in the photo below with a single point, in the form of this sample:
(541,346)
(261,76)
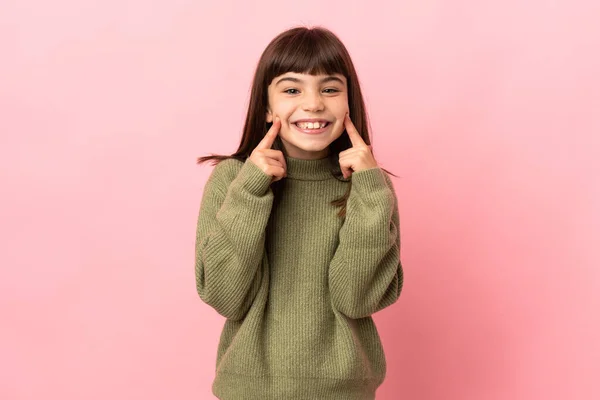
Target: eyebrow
(322,80)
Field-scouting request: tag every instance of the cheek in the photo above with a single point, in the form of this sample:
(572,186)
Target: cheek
(284,115)
(340,108)
(280,106)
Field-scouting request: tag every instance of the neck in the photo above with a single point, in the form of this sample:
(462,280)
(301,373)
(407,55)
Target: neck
(309,170)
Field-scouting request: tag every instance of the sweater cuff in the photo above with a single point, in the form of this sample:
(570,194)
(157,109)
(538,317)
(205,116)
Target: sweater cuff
(253,179)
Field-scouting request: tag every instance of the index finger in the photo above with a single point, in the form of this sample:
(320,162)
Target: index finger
(353,134)
(267,141)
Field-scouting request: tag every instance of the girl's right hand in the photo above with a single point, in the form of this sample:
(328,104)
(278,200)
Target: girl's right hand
(270,161)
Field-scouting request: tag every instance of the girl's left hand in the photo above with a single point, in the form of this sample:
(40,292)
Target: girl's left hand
(359,156)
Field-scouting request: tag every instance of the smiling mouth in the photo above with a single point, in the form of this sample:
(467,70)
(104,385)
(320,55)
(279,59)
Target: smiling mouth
(313,131)
(305,126)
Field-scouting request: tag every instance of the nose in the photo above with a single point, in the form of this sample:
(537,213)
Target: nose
(312,101)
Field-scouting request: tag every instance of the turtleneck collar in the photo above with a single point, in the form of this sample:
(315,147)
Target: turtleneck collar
(308,170)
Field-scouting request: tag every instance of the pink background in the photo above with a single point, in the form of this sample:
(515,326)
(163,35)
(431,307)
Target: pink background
(488,112)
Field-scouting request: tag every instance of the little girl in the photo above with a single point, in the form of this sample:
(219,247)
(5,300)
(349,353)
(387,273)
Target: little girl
(298,240)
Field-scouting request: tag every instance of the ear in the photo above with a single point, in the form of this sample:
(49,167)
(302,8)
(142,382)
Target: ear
(269,116)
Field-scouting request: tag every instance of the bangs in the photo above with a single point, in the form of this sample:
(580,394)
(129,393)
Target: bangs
(310,52)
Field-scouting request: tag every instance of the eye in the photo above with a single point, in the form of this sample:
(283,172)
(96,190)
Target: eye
(333,90)
(288,91)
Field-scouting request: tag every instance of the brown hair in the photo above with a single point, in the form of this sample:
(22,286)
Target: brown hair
(302,50)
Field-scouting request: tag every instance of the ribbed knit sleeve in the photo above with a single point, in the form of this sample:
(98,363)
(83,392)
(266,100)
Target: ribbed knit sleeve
(230,236)
(365,274)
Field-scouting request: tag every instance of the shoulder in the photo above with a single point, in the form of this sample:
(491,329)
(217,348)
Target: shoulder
(227,167)
(389,183)
(388,179)
(376,177)
(224,172)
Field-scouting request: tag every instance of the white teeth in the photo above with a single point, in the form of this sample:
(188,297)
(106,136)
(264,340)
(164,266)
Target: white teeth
(311,125)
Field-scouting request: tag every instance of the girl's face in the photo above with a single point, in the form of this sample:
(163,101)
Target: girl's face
(295,97)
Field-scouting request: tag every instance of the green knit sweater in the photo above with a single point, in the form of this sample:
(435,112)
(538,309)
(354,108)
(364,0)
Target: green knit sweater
(298,284)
